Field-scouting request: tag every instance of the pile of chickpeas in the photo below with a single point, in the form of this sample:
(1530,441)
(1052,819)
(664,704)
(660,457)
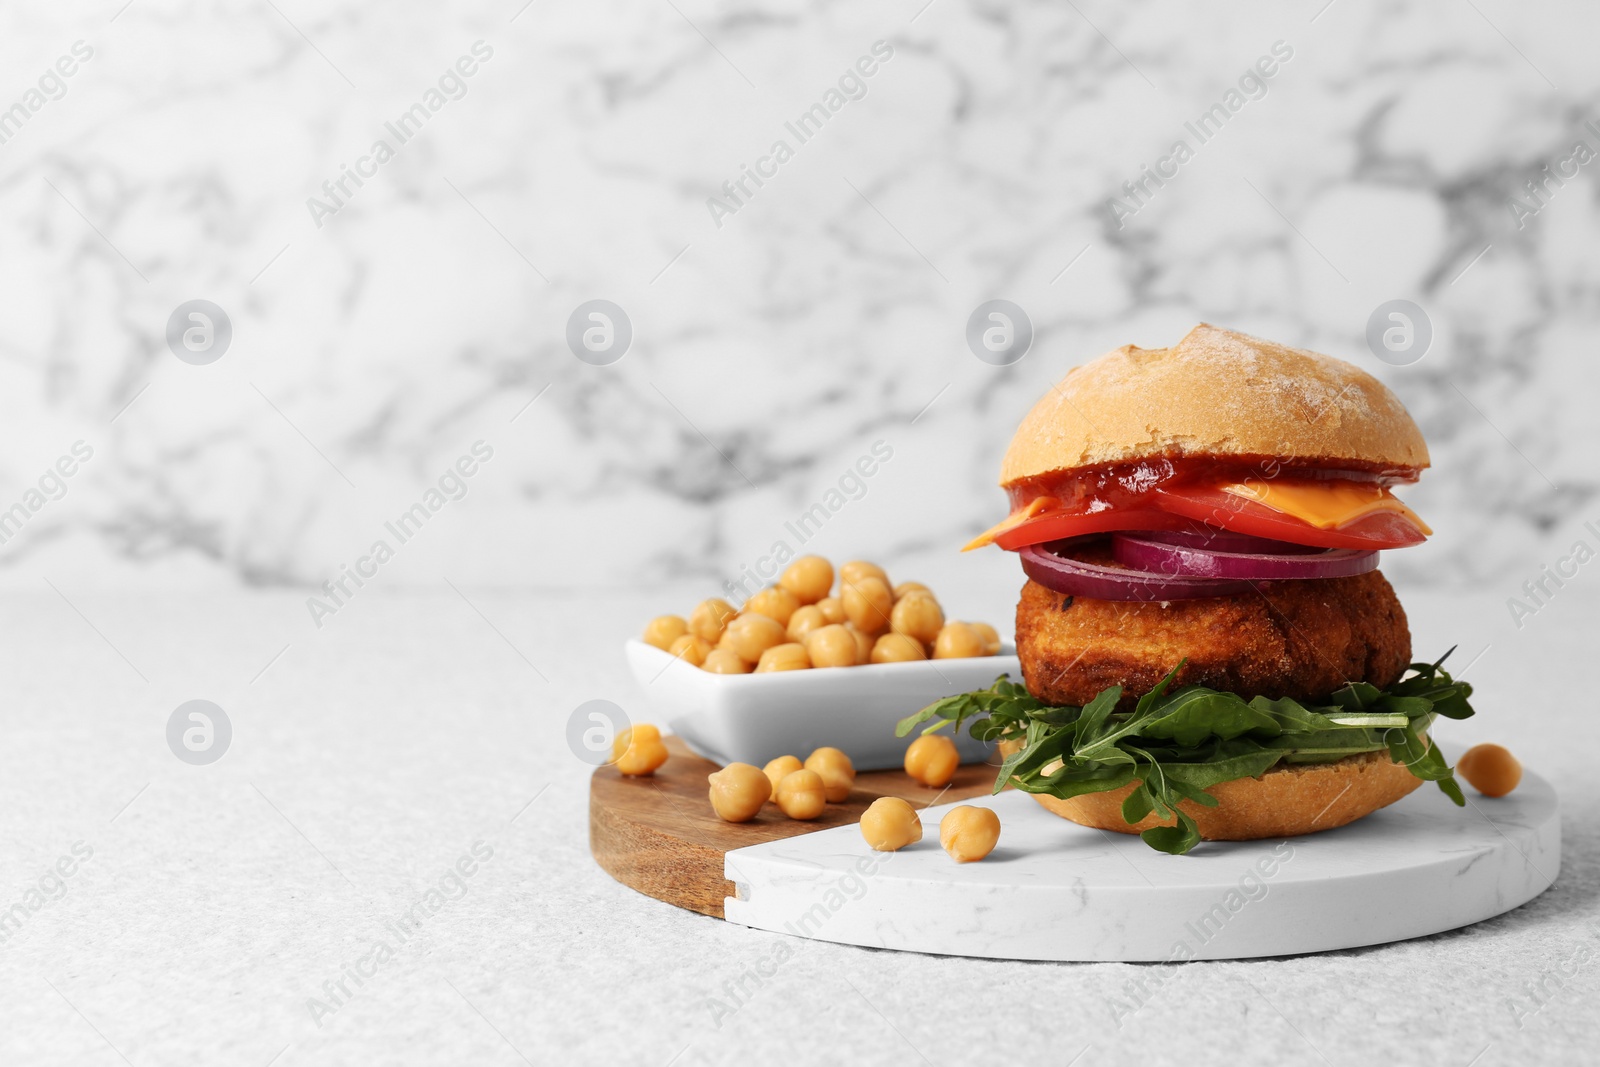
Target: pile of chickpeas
(800,623)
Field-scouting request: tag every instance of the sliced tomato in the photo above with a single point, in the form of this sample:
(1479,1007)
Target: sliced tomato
(1213,506)
(1057,526)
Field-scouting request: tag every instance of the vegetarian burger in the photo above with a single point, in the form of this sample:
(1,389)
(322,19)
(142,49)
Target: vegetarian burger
(1208,649)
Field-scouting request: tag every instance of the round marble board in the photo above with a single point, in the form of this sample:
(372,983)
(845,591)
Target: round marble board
(1053,890)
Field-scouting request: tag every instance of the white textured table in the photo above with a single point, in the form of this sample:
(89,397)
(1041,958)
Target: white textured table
(372,756)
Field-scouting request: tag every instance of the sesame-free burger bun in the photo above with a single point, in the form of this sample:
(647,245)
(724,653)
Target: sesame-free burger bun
(1215,393)
(1289,800)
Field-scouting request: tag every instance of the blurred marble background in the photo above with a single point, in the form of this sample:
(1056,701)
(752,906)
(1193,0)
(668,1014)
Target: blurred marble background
(775,344)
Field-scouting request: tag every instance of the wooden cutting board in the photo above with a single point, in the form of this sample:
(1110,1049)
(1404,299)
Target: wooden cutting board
(659,835)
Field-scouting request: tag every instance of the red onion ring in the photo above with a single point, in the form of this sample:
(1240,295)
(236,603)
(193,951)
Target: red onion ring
(1148,555)
(1077,578)
(1219,540)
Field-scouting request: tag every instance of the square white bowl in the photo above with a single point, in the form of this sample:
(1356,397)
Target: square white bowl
(752,718)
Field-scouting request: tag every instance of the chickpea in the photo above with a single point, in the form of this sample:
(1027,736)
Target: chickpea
(809,578)
(641,761)
(868,604)
(890,824)
(832,646)
(969,833)
(738,791)
(803,621)
(724,661)
(691,649)
(662,630)
(864,645)
(957,640)
(801,795)
(932,759)
(778,769)
(838,774)
(897,648)
(709,617)
(832,609)
(775,602)
(990,636)
(857,569)
(642,751)
(644,732)
(1490,769)
(788,657)
(751,634)
(910,587)
(918,616)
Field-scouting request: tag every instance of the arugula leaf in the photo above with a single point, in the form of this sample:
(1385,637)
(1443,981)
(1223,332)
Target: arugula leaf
(1095,713)
(1173,840)
(1293,716)
(1356,697)
(1202,776)
(1139,804)
(1174,746)
(1194,713)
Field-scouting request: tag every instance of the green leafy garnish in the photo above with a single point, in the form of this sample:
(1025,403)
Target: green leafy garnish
(1176,745)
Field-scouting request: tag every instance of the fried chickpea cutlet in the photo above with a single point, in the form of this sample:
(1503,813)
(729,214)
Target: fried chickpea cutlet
(1290,639)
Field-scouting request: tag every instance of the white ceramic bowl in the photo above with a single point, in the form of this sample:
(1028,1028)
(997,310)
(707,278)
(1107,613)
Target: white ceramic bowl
(752,718)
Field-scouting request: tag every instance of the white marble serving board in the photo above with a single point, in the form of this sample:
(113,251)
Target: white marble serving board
(1053,890)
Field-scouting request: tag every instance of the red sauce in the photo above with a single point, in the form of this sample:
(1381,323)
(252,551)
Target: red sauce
(1091,490)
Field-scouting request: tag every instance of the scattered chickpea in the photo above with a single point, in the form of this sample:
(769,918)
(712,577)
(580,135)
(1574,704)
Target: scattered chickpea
(644,732)
(709,617)
(857,569)
(918,616)
(801,795)
(932,759)
(738,791)
(778,769)
(832,609)
(724,661)
(868,604)
(691,649)
(809,578)
(775,602)
(662,630)
(787,657)
(910,587)
(641,750)
(838,774)
(990,636)
(803,621)
(1490,769)
(957,640)
(890,824)
(897,648)
(969,833)
(832,646)
(751,634)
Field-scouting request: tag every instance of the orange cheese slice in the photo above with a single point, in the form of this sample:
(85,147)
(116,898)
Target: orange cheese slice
(1036,507)
(1325,505)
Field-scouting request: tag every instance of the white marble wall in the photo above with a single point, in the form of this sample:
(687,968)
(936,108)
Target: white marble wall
(770,352)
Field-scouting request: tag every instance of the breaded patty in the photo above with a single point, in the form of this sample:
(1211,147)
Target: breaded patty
(1300,639)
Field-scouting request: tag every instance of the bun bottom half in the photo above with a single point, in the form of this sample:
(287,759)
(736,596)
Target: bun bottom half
(1287,801)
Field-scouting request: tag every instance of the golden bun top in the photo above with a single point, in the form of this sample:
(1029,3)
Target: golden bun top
(1215,393)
